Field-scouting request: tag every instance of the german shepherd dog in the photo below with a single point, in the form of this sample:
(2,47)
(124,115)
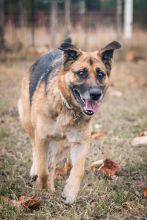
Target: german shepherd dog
(59,96)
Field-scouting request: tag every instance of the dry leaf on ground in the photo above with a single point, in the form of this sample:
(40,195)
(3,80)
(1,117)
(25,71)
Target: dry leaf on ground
(98,135)
(144,133)
(107,166)
(64,171)
(139,141)
(27,202)
(145,192)
(130,56)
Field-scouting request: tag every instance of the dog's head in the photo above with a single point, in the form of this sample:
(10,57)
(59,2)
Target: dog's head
(86,75)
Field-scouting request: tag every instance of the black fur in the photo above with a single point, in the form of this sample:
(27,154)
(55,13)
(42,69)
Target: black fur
(66,44)
(44,69)
(71,53)
(107,54)
(68,40)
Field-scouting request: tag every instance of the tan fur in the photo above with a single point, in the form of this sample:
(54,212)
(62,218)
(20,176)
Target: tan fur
(52,126)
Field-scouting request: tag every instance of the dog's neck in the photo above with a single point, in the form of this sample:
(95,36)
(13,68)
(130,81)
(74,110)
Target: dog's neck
(76,115)
(64,101)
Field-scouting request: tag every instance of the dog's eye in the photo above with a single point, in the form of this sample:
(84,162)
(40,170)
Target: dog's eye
(83,74)
(99,74)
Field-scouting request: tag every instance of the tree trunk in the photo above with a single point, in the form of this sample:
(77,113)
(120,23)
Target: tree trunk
(119,18)
(53,21)
(33,23)
(128,18)
(2,26)
(83,22)
(21,13)
(82,13)
(67,17)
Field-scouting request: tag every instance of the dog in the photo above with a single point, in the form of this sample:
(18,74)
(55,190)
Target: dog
(59,97)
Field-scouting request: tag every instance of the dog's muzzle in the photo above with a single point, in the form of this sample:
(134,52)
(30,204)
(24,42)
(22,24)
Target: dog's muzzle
(89,100)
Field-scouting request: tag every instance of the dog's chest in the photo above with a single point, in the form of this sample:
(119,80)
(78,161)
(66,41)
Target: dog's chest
(68,126)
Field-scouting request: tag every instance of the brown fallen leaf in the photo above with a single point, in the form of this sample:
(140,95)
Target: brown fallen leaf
(130,56)
(145,192)
(97,135)
(64,171)
(144,133)
(27,202)
(109,167)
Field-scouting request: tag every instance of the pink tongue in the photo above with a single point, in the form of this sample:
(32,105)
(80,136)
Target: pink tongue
(91,106)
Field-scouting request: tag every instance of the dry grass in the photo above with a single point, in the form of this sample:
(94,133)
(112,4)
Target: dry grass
(122,118)
(88,39)
(42,36)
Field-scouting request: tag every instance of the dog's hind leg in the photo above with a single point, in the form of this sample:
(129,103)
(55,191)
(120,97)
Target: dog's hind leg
(56,149)
(50,150)
(33,171)
(78,155)
(41,160)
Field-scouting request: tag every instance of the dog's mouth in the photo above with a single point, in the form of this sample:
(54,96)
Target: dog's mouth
(88,107)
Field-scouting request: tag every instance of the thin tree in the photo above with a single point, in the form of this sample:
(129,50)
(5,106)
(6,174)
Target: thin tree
(2,27)
(53,21)
(21,13)
(119,18)
(33,22)
(82,13)
(83,22)
(67,17)
(128,18)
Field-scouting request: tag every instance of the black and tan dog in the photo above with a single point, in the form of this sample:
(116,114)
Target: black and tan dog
(59,96)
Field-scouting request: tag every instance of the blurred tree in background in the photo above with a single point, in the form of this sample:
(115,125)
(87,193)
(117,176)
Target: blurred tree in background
(65,16)
(2,29)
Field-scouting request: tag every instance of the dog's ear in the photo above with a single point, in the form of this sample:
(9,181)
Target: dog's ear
(71,52)
(107,53)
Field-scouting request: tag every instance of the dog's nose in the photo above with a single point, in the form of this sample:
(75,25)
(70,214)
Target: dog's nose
(95,94)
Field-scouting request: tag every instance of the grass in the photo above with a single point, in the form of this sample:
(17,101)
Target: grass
(121,118)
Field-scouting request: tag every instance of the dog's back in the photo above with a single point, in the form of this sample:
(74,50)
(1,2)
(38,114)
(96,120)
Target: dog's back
(42,71)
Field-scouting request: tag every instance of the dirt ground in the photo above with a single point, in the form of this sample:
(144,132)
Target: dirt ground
(122,117)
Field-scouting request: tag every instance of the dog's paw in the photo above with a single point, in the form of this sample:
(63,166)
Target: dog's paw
(69,194)
(31,180)
(67,199)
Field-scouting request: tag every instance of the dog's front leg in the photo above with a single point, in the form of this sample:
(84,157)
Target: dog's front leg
(52,157)
(78,155)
